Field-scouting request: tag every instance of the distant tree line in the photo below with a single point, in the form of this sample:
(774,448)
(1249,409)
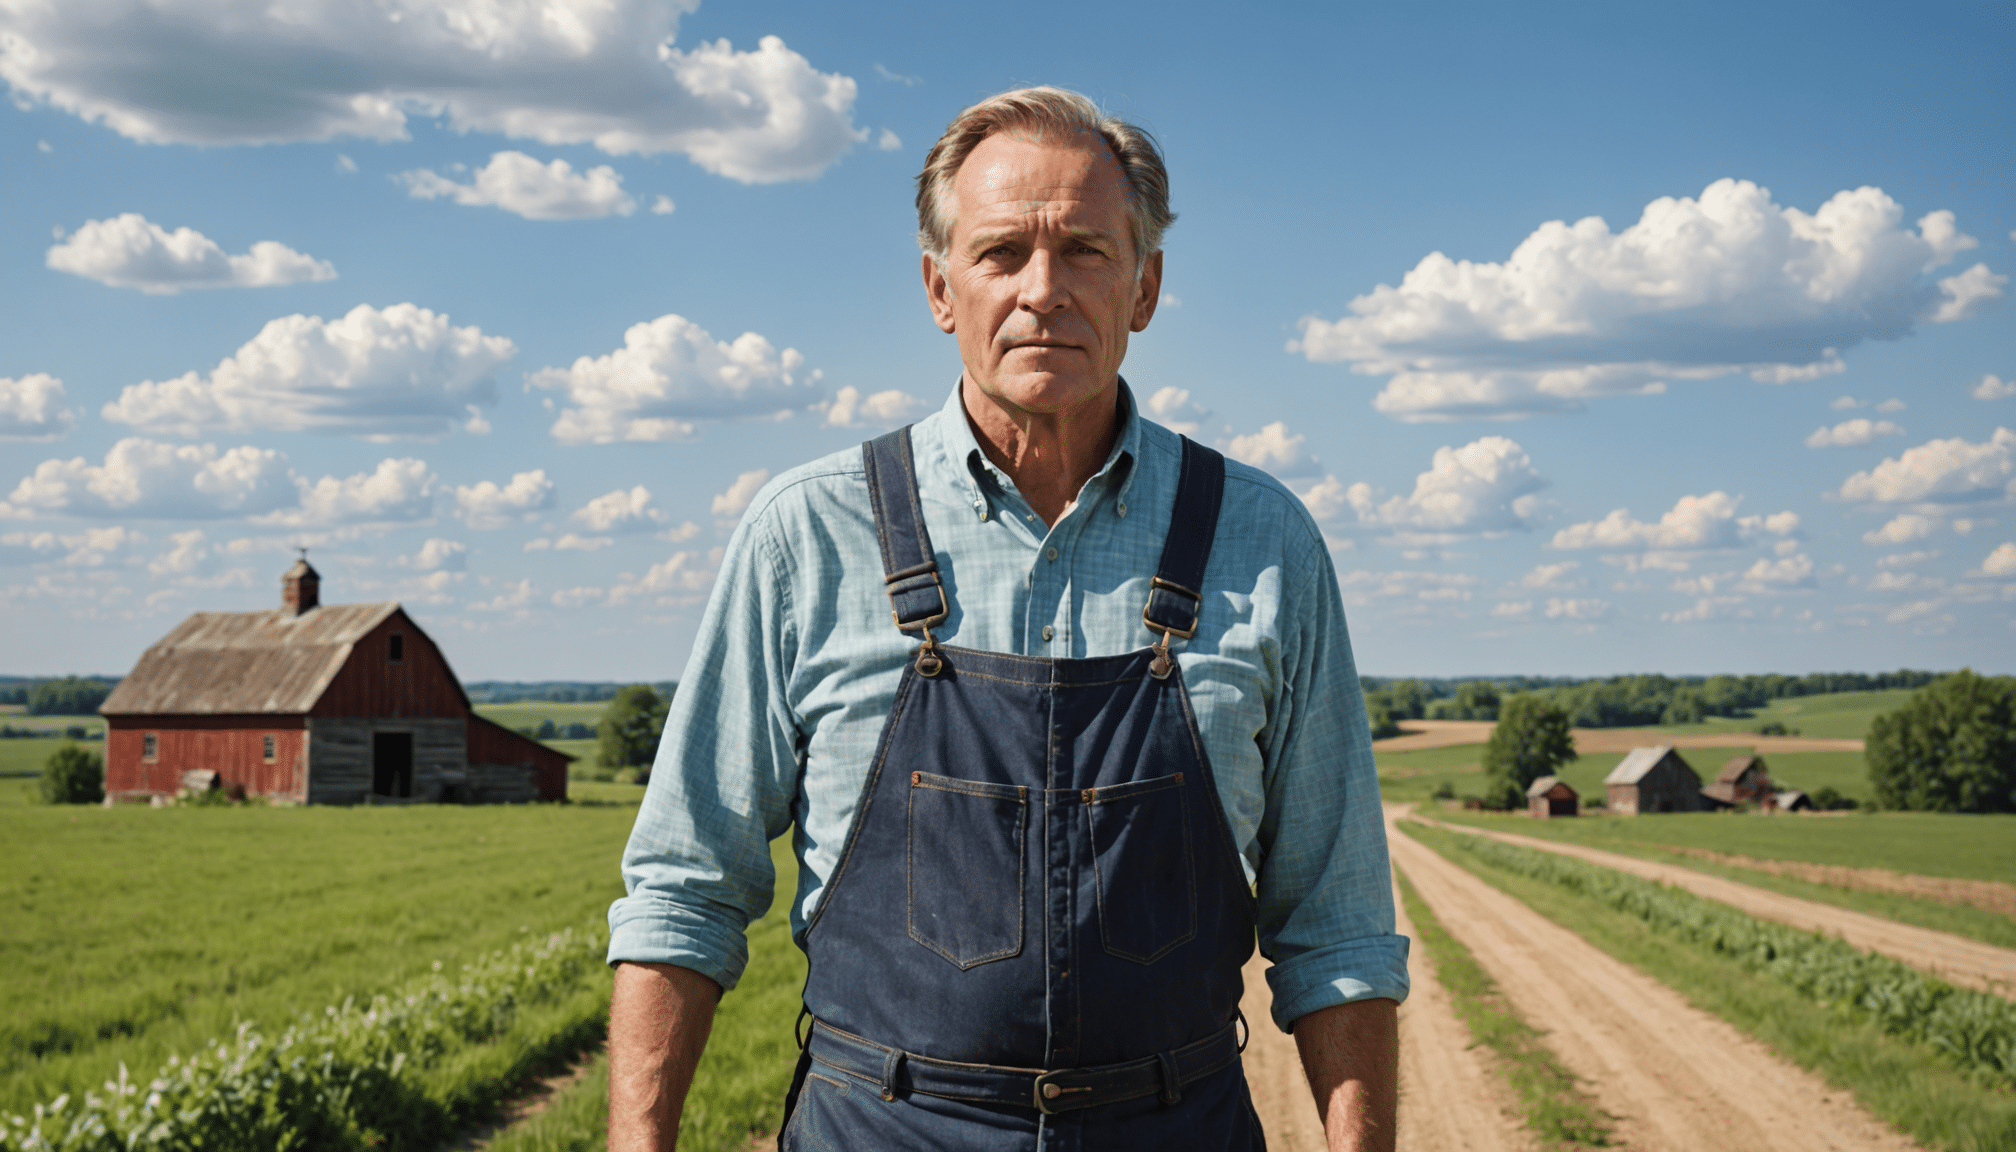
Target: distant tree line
(548,730)
(557,691)
(1950,748)
(63,696)
(1615,701)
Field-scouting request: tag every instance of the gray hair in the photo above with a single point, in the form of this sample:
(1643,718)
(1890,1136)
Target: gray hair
(1048,114)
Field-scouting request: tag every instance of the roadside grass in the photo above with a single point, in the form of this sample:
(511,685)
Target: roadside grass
(1959,919)
(1908,1085)
(604,792)
(1557,1109)
(130,934)
(738,1091)
(1927,843)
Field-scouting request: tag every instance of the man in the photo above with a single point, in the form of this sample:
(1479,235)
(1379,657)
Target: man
(1060,709)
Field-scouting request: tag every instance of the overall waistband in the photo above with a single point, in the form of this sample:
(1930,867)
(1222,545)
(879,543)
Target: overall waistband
(891,1070)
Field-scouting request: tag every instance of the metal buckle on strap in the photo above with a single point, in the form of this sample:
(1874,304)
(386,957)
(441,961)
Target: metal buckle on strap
(1158,584)
(944,605)
(1049,1095)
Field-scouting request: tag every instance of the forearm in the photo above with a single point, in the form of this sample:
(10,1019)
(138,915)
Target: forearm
(1351,1053)
(659,1019)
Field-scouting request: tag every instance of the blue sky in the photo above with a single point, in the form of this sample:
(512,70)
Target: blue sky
(1599,337)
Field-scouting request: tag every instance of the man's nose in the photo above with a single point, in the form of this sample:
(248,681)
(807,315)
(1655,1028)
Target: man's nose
(1042,284)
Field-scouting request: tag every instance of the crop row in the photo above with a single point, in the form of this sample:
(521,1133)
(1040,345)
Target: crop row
(400,1072)
(1974,1030)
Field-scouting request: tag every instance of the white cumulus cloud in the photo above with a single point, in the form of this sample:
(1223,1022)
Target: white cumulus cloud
(2000,562)
(1582,610)
(400,371)
(143,478)
(735,501)
(1487,486)
(621,511)
(33,408)
(669,373)
(488,505)
(1693,525)
(1174,410)
(1902,529)
(1697,288)
(1850,433)
(679,579)
(606,73)
(1993,387)
(519,184)
(850,409)
(1940,472)
(1793,571)
(130,251)
(1550,575)
(396,491)
(1274,449)
(439,555)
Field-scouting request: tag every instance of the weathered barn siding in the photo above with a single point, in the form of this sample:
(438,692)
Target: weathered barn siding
(371,683)
(339,748)
(505,766)
(232,746)
(1653,779)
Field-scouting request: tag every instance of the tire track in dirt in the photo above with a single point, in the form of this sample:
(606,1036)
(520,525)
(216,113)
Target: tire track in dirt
(1956,959)
(1677,1078)
(1449,1099)
(1988,895)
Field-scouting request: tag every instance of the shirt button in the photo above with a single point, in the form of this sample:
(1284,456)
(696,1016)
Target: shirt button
(1050,554)
(1123,509)
(1049,633)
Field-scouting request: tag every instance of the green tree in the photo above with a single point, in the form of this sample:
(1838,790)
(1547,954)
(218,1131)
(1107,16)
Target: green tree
(1474,700)
(1379,714)
(73,775)
(1950,748)
(1531,740)
(69,696)
(630,727)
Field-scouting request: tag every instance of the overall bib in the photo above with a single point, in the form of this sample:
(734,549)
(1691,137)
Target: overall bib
(1034,934)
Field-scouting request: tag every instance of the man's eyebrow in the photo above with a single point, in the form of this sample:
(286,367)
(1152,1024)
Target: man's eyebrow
(984,238)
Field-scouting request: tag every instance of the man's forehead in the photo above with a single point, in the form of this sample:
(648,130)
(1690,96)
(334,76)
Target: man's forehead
(1010,174)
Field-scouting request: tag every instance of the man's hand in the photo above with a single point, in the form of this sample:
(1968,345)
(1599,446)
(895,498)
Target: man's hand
(1351,1053)
(658,1024)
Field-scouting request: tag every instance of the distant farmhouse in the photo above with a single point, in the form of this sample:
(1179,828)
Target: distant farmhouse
(343,704)
(1742,779)
(1652,780)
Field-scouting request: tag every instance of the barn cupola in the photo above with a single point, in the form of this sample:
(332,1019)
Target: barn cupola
(300,588)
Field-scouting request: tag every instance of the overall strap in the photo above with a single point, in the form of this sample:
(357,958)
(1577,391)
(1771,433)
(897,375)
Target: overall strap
(909,566)
(1176,596)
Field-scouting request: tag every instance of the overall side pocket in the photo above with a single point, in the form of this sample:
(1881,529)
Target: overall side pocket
(965,869)
(1145,867)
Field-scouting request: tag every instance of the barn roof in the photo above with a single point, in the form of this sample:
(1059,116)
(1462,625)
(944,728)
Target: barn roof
(1542,786)
(226,663)
(1636,764)
(1736,766)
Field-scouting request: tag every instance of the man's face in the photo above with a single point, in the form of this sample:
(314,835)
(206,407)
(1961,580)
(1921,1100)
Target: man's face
(1039,280)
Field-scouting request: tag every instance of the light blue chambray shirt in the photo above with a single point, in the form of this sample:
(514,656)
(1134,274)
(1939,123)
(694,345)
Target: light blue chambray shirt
(797,662)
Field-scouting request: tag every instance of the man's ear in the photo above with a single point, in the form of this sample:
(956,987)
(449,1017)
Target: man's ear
(938,290)
(1150,290)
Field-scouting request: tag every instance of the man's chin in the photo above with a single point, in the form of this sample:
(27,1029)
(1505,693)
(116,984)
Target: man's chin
(1045,393)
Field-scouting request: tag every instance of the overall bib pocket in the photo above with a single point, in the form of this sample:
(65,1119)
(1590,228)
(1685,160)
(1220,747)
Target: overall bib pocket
(966,849)
(1146,873)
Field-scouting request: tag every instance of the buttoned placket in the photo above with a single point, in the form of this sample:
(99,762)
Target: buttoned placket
(1048,583)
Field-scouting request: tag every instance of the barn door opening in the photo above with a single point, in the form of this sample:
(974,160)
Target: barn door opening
(392,764)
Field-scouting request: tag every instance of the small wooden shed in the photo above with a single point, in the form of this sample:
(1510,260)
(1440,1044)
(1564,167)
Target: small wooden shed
(337,704)
(1550,796)
(1650,780)
(1742,780)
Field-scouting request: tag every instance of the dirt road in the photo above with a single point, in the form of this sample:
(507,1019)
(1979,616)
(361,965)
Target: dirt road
(1957,959)
(1677,1079)
(1988,895)
(1419,734)
(1449,1101)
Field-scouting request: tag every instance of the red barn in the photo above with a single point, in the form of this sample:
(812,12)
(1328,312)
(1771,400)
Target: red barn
(343,704)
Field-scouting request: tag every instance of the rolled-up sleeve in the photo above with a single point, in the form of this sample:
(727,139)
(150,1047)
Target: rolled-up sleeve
(1325,888)
(697,867)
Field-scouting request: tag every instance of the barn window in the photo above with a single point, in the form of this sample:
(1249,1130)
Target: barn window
(396,646)
(268,753)
(148,746)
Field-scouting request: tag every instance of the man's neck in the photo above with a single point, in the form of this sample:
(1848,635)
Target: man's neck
(1049,455)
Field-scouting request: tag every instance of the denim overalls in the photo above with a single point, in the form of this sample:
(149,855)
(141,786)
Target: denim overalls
(1034,935)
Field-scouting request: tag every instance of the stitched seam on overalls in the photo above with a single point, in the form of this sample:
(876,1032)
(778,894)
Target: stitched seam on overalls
(867,798)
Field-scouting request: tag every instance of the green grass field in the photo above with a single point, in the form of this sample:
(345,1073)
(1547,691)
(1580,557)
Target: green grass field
(1405,776)
(1927,843)
(130,934)
(528,713)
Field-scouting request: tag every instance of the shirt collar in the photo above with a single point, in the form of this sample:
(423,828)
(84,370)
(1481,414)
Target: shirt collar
(963,445)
